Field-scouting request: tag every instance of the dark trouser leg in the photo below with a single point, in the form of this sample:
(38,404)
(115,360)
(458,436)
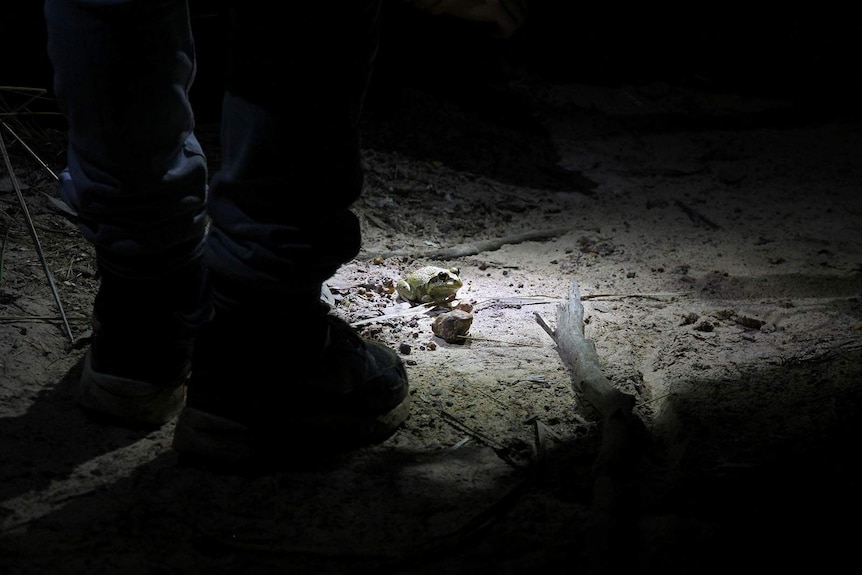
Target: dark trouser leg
(136,174)
(280,204)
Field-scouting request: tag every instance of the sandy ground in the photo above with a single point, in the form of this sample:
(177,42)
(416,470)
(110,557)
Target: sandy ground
(713,237)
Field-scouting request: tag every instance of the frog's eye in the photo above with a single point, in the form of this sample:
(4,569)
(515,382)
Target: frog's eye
(443,276)
(455,271)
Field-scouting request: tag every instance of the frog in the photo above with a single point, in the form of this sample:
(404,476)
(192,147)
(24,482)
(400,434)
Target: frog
(430,284)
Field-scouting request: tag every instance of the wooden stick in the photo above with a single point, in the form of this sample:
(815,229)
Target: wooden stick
(474,248)
(579,355)
(612,518)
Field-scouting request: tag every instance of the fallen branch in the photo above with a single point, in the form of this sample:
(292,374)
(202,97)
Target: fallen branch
(696,216)
(613,494)
(579,355)
(39,318)
(474,248)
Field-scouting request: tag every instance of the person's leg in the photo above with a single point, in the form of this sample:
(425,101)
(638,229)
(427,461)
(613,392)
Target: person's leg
(274,369)
(136,177)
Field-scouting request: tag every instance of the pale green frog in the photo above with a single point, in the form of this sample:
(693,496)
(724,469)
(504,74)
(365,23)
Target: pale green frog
(430,284)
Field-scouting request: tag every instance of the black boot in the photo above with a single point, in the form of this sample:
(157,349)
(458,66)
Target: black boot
(267,389)
(140,355)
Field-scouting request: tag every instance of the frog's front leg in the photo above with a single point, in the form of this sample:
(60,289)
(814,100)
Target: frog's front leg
(404,290)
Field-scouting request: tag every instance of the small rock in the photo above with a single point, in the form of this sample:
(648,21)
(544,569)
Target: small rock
(451,326)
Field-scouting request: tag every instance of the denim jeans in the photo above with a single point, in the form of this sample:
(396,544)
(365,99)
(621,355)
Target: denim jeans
(278,209)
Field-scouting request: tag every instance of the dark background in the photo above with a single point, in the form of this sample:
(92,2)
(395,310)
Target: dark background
(811,58)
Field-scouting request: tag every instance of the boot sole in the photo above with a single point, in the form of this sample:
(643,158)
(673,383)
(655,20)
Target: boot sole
(207,439)
(129,402)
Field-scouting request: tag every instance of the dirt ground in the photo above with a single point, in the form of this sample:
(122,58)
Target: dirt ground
(713,235)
